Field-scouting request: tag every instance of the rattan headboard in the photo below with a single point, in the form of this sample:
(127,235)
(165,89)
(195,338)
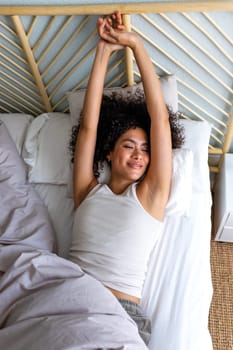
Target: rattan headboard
(47,51)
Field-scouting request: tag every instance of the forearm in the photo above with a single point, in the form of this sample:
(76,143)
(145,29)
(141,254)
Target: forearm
(93,97)
(152,89)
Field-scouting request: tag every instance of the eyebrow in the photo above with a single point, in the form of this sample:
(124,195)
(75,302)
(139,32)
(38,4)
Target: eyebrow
(135,142)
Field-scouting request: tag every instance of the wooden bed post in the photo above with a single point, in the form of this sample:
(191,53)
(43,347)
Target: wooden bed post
(225,149)
(31,61)
(228,139)
(128,54)
(229,134)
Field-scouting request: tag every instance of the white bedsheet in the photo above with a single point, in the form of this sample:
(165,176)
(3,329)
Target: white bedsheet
(178,288)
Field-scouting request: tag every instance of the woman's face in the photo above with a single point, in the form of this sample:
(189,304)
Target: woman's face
(130,156)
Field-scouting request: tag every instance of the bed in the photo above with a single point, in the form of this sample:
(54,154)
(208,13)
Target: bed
(45,299)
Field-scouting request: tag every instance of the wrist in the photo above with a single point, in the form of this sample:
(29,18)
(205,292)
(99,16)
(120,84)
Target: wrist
(104,48)
(135,42)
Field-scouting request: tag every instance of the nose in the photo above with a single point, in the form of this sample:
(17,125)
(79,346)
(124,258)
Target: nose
(137,154)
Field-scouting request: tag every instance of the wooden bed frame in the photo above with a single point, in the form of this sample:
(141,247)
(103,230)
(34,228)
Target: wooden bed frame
(24,87)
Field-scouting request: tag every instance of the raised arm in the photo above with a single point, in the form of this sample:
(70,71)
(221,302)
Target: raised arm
(84,179)
(155,188)
(153,191)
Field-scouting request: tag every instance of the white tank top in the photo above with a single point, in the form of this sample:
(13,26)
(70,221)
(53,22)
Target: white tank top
(112,238)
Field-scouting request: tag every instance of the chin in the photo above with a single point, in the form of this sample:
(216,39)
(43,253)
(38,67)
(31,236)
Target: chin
(137,178)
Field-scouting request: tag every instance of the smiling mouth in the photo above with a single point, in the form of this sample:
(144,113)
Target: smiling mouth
(135,165)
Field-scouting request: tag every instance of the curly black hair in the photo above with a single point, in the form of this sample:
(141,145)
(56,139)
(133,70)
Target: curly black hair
(119,114)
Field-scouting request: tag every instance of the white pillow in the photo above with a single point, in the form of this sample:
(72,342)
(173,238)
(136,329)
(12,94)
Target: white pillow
(197,135)
(12,167)
(46,149)
(168,84)
(181,184)
(17,125)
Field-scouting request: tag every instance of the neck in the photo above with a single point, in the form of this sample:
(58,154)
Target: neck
(119,187)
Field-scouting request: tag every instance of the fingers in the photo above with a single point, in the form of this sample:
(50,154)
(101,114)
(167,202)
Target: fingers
(105,30)
(118,17)
(100,26)
(104,24)
(115,20)
(109,27)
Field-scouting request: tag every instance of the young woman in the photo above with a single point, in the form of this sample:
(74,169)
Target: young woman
(116,224)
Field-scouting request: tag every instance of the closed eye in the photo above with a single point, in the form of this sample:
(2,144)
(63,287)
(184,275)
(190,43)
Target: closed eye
(127,146)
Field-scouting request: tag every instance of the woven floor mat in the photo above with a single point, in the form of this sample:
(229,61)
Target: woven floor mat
(221,311)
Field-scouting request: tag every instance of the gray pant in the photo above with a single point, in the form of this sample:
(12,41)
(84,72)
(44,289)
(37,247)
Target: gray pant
(142,321)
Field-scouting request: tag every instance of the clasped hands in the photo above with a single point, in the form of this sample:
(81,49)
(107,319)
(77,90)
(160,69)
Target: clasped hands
(112,30)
